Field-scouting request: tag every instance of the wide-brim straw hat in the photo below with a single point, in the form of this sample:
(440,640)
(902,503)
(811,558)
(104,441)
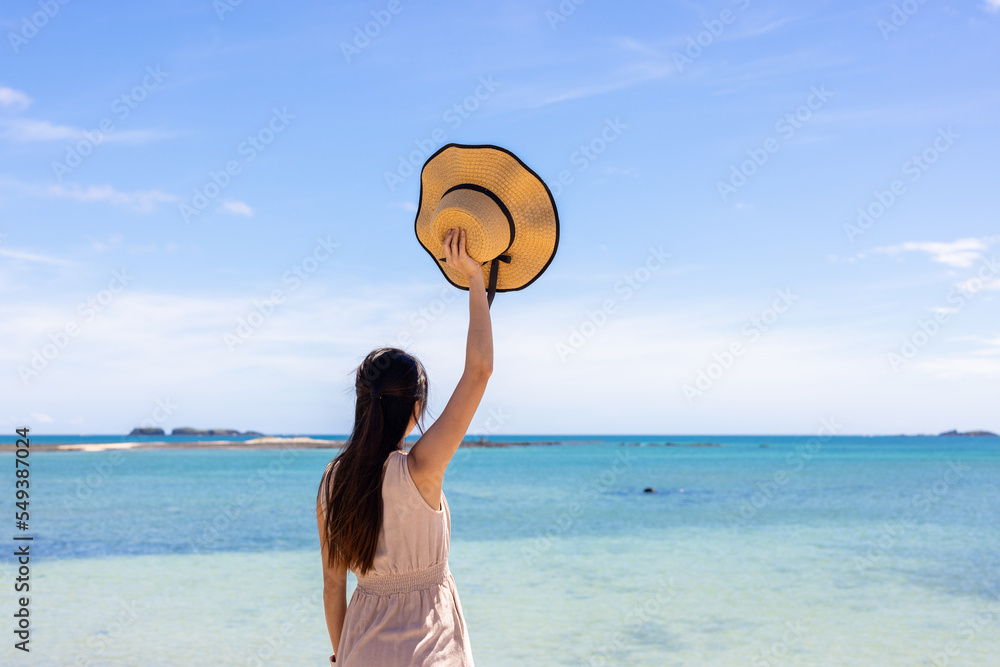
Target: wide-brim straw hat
(508,214)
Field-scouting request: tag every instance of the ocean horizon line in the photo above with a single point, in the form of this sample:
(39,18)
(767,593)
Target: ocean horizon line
(507,436)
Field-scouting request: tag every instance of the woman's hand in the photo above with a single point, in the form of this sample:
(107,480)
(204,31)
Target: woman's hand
(456,257)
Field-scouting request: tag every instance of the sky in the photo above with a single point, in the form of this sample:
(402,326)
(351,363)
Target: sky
(775,217)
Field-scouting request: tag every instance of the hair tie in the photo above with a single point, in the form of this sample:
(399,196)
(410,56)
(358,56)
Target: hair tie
(376,394)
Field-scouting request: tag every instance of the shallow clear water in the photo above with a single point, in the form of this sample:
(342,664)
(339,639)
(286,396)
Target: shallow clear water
(824,551)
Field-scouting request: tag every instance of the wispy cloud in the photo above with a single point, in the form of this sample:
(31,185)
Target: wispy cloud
(973,285)
(143,201)
(992,5)
(544,93)
(962,253)
(237,208)
(13,98)
(34,257)
(25,130)
(114,241)
(960,367)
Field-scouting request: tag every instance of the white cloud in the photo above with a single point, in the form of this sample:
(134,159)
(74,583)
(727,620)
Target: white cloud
(32,257)
(992,347)
(533,96)
(142,201)
(42,418)
(13,98)
(26,130)
(992,5)
(960,367)
(114,241)
(975,285)
(237,208)
(405,205)
(962,253)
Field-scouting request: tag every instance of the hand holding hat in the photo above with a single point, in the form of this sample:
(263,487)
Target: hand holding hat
(456,255)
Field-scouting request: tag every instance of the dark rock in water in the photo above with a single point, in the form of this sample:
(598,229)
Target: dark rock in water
(147,431)
(765,445)
(255,434)
(968,434)
(649,489)
(211,431)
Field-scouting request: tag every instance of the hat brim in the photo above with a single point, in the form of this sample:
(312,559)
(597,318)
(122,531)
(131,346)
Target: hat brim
(528,198)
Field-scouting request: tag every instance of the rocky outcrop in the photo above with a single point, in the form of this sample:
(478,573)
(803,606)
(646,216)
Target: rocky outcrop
(185,430)
(146,431)
(968,434)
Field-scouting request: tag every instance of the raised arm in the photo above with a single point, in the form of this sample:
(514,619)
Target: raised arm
(430,455)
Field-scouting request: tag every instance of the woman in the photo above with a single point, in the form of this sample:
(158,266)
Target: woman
(388,519)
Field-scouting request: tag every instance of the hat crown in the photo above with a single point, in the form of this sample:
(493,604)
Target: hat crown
(481,214)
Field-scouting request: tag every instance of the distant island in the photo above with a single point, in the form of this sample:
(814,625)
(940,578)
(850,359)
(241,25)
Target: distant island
(968,434)
(146,431)
(212,431)
(193,431)
(672,444)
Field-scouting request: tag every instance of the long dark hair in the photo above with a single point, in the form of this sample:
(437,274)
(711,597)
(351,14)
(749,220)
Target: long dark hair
(389,383)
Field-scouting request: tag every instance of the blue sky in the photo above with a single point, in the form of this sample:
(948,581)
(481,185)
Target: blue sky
(169,168)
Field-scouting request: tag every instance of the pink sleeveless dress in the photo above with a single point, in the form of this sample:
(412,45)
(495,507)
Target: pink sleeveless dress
(406,610)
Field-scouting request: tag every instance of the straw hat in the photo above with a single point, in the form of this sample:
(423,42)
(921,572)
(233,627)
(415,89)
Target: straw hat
(506,210)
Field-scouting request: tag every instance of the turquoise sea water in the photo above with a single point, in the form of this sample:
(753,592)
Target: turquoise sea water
(806,551)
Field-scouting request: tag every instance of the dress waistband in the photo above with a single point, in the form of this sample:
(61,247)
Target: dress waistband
(404,582)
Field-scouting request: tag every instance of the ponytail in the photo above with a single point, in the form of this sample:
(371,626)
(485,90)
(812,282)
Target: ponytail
(388,384)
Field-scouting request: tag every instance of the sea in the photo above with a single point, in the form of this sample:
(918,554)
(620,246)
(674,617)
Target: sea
(596,550)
